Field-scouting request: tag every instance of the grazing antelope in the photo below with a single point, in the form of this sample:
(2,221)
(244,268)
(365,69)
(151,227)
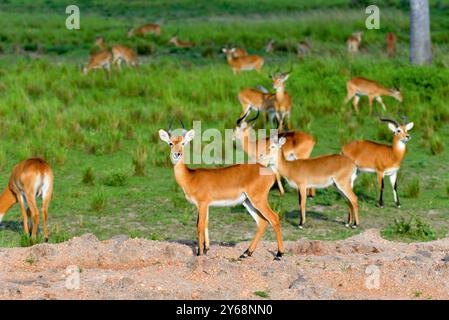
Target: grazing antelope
(99,60)
(303,48)
(225,186)
(29,180)
(245,63)
(178,43)
(269,48)
(277,105)
(354,42)
(143,30)
(299,145)
(319,172)
(390,39)
(384,160)
(358,87)
(119,53)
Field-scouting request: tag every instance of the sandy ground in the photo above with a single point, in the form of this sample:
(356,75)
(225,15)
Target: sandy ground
(361,267)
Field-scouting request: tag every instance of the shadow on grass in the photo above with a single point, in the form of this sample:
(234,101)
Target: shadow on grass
(292,217)
(12,226)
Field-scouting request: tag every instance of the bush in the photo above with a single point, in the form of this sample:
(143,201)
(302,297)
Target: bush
(116,179)
(436,145)
(88,176)
(139,160)
(99,201)
(413,188)
(413,229)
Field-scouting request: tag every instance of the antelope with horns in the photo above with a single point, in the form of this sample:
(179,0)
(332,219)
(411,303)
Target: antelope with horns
(277,105)
(30,179)
(390,39)
(319,172)
(145,29)
(357,87)
(245,63)
(353,42)
(119,53)
(298,145)
(225,186)
(384,160)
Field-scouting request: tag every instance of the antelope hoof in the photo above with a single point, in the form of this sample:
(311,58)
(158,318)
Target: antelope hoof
(246,254)
(397,206)
(46,239)
(300,227)
(380,205)
(278,256)
(354,226)
(205,251)
(347,225)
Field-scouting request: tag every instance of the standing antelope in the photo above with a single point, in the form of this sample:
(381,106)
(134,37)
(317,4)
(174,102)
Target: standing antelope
(178,43)
(277,105)
(383,159)
(358,87)
(100,60)
(391,43)
(119,53)
(227,186)
(354,42)
(299,145)
(319,172)
(29,179)
(143,30)
(245,63)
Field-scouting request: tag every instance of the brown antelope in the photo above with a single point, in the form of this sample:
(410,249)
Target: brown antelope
(303,48)
(99,60)
(119,53)
(384,160)
(178,43)
(354,42)
(277,105)
(319,172)
(269,48)
(143,30)
(225,186)
(239,52)
(391,43)
(245,63)
(299,145)
(358,87)
(30,179)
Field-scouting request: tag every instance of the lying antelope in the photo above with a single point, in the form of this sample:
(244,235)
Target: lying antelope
(245,63)
(358,87)
(303,48)
(180,44)
(299,145)
(30,179)
(383,159)
(143,30)
(353,42)
(390,39)
(119,53)
(225,186)
(319,172)
(277,105)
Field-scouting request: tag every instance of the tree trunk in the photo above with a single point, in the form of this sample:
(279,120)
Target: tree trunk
(420,42)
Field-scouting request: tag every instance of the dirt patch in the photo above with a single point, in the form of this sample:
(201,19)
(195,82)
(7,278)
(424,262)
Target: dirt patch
(361,267)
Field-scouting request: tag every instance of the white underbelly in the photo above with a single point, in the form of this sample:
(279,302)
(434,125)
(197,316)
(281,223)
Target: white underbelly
(247,68)
(390,171)
(229,202)
(367,170)
(321,185)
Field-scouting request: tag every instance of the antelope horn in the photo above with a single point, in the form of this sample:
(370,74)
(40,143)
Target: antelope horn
(170,124)
(182,124)
(390,121)
(288,72)
(239,120)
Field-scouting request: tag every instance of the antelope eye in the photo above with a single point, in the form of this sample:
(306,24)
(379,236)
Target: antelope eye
(171,144)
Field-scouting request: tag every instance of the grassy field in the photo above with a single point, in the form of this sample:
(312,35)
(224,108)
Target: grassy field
(95,131)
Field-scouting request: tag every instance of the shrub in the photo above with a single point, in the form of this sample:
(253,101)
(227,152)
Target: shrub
(436,145)
(140,156)
(99,201)
(413,229)
(413,188)
(116,179)
(89,176)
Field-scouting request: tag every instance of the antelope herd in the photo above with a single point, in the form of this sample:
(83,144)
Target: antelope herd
(287,154)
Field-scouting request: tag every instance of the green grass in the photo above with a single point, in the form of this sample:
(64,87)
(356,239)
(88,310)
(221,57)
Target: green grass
(113,174)
(262,294)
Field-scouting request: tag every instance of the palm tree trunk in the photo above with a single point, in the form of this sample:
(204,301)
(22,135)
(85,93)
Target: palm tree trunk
(420,42)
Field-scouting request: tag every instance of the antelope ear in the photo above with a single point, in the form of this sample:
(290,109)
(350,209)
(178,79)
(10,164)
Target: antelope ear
(285,77)
(409,126)
(224,50)
(243,125)
(392,127)
(165,136)
(233,50)
(282,141)
(188,136)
